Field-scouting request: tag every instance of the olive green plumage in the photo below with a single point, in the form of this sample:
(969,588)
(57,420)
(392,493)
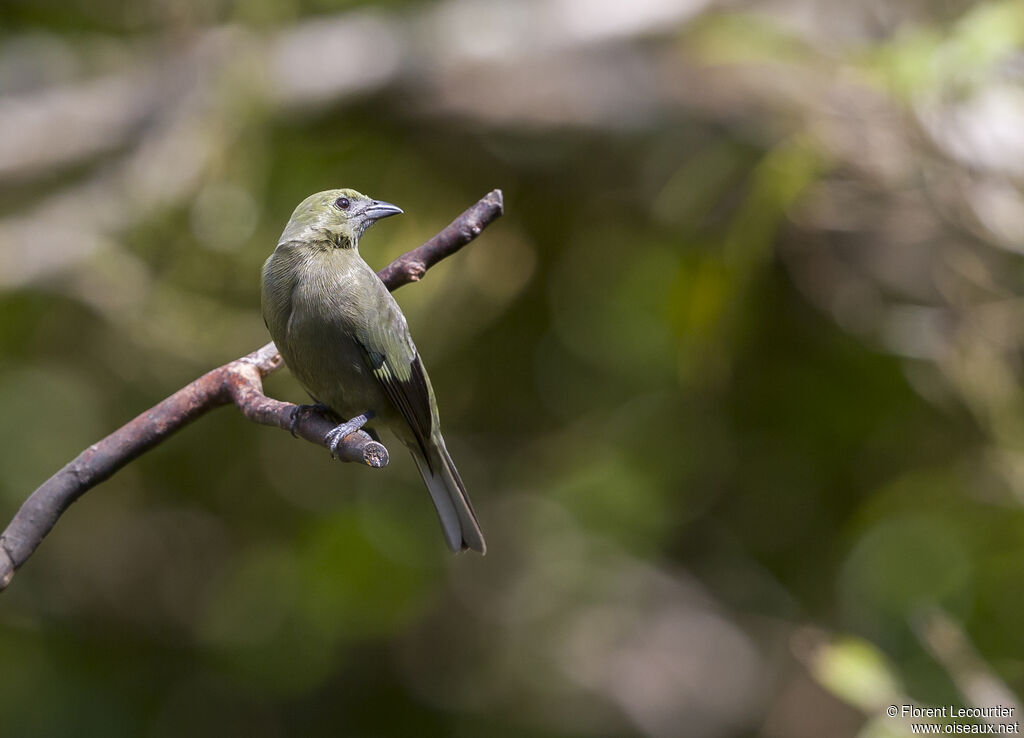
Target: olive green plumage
(345,339)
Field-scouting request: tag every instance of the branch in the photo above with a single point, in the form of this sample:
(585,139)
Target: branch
(411,267)
(239,383)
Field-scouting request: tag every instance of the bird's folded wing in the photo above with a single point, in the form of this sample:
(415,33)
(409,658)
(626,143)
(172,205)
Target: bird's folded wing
(397,366)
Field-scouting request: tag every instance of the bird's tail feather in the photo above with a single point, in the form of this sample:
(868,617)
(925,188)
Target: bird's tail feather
(454,510)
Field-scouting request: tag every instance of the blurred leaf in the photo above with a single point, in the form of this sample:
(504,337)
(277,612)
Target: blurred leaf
(856,671)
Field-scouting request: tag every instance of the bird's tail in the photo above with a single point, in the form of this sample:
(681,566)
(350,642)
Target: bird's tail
(454,510)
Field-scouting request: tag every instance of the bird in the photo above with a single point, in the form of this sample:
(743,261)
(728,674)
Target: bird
(344,338)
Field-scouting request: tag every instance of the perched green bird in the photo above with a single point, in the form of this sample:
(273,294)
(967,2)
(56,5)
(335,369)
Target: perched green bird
(345,339)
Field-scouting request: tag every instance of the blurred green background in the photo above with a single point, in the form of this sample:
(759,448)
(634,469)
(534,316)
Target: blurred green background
(736,382)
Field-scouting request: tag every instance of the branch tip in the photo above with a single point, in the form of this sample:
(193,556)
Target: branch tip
(498,198)
(376,455)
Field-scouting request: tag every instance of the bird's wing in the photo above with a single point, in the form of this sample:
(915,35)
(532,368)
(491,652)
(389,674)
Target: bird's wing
(396,365)
(279,280)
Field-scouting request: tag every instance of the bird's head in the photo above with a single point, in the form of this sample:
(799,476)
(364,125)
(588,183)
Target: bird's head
(339,217)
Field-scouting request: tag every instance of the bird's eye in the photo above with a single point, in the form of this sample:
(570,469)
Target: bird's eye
(342,202)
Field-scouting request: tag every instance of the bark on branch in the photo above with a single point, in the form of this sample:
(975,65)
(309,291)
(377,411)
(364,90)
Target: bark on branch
(239,383)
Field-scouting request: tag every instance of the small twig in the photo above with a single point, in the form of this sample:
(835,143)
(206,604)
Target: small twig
(411,267)
(239,383)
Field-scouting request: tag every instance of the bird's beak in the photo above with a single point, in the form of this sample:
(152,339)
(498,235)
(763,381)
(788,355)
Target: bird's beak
(378,209)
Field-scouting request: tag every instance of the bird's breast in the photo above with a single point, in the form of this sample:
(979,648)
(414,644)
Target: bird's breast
(321,346)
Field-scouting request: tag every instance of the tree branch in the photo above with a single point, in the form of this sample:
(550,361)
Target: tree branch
(411,267)
(239,383)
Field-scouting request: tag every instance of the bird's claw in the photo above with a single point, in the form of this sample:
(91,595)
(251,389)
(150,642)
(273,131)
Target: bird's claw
(338,433)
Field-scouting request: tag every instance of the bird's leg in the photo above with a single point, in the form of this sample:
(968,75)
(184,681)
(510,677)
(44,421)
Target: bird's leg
(336,434)
(318,406)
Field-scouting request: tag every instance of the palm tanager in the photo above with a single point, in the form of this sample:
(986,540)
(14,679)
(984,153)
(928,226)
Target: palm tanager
(345,339)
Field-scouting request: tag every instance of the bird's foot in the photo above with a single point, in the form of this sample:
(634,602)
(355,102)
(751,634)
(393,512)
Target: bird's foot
(336,434)
(318,406)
